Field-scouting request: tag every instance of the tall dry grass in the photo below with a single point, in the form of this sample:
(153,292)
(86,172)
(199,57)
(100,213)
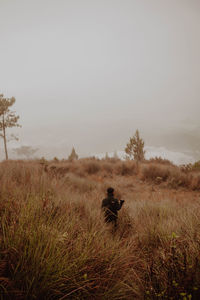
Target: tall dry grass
(84,167)
(172,175)
(54,243)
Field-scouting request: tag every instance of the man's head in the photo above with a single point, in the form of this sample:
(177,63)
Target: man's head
(110,191)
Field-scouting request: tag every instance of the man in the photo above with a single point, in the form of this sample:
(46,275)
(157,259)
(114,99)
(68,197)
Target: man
(110,205)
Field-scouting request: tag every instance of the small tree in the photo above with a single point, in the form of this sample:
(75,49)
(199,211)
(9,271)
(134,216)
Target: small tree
(26,151)
(135,148)
(73,155)
(8,119)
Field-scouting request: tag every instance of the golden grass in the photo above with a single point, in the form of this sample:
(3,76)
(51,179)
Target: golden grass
(54,243)
(173,175)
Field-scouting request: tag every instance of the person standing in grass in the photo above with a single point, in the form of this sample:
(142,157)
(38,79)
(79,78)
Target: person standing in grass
(110,206)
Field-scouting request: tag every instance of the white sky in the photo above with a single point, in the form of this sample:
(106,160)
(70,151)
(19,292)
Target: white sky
(87,73)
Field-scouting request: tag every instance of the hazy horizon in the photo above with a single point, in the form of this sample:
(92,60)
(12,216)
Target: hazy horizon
(89,73)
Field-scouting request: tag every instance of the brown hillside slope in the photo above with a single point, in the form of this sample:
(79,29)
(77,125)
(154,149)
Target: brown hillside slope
(54,243)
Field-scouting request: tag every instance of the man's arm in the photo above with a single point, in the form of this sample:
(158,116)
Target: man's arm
(119,204)
(122,202)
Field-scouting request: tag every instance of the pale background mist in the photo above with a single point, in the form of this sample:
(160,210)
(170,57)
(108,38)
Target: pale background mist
(89,73)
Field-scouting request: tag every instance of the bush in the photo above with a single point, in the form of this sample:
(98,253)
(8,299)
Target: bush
(125,168)
(154,171)
(91,167)
(79,184)
(173,176)
(178,179)
(107,167)
(195,182)
(196,165)
(56,160)
(160,160)
(186,168)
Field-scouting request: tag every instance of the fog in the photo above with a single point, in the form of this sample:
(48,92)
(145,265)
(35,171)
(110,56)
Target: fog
(89,73)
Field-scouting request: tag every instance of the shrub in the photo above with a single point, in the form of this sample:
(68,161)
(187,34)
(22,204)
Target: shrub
(154,171)
(125,168)
(172,175)
(195,182)
(56,160)
(160,160)
(79,184)
(178,179)
(186,168)
(196,165)
(91,167)
(107,166)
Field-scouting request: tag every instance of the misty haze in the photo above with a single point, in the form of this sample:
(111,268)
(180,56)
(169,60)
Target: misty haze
(99,149)
(89,73)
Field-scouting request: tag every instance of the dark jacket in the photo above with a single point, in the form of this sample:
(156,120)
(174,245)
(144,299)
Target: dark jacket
(110,205)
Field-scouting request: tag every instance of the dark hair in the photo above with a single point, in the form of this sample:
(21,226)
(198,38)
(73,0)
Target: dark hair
(110,190)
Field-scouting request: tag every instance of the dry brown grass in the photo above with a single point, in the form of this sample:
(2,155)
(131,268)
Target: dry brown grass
(160,160)
(173,175)
(54,243)
(85,167)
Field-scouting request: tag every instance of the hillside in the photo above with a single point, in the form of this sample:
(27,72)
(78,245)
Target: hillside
(54,243)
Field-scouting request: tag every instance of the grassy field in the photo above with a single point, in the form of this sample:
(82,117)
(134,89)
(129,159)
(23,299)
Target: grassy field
(54,243)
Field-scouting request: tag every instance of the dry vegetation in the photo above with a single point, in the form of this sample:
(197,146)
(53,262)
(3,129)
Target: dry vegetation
(55,245)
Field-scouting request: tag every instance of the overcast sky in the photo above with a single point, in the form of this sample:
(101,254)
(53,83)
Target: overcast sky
(88,73)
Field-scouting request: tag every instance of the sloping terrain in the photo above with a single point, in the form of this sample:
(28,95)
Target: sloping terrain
(54,243)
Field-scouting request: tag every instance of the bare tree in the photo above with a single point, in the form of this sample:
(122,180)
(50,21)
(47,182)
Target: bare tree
(8,119)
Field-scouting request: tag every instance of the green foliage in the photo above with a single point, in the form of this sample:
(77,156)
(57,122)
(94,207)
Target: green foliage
(135,148)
